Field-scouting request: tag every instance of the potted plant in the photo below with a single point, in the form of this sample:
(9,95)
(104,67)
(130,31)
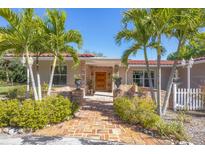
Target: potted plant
(117,80)
(77,81)
(90,87)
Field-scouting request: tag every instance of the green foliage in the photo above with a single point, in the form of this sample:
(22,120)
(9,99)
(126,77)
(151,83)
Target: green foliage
(17,93)
(36,114)
(124,108)
(8,110)
(32,115)
(12,71)
(174,130)
(59,108)
(182,117)
(143,111)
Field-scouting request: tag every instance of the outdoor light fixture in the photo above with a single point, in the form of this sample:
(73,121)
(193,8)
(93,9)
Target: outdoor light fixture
(30,61)
(23,60)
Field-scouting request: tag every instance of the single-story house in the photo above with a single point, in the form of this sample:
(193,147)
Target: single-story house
(98,72)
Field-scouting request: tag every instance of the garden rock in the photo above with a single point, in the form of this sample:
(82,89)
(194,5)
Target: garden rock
(20,131)
(185,143)
(6,130)
(12,131)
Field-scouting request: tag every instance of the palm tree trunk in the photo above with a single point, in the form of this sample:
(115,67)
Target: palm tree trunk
(159,77)
(149,74)
(170,81)
(7,75)
(51,77)
(28,84)
(38,79)
(31,75)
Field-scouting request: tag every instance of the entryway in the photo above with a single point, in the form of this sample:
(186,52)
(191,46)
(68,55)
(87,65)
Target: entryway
(100,81)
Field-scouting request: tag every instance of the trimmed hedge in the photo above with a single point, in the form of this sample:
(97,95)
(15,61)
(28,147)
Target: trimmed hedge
(143,111)
(35,114)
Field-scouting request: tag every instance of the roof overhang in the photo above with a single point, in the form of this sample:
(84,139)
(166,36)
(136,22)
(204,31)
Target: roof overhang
(106,62)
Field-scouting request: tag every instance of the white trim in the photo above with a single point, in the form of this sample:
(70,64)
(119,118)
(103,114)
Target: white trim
(137,65)
(143,78)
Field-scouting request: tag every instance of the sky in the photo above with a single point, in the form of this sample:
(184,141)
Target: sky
(99,27)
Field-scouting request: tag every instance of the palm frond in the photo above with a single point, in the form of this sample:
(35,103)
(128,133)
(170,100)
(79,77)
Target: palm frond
(74,54)
(74,36)
(10,16)
(131,51)
(125,34)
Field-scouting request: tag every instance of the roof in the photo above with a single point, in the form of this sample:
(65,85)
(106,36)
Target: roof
(51,55)
(151,62)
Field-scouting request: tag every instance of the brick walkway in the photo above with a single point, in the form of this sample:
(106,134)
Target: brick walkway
(96,120)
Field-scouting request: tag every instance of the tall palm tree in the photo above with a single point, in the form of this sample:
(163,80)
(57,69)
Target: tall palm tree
(160,19)
(140,34)
(58,39)
(19,35)
(39,47)
(184,26)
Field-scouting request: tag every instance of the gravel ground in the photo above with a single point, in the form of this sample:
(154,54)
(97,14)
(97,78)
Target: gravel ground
(45,140)
(195,127)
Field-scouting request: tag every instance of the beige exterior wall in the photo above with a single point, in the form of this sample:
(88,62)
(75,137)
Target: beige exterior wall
(197,74)
(197,77)
(165,73)
(45,70)
(122,74)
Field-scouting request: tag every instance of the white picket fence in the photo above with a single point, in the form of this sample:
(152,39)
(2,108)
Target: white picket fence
(188,99)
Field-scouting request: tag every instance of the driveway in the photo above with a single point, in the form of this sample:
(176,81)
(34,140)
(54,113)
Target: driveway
(49,140)
(96,120)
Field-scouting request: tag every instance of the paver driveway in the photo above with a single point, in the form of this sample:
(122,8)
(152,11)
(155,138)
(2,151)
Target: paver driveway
(96,120)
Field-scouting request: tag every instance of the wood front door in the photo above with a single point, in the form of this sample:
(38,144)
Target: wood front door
(100,81)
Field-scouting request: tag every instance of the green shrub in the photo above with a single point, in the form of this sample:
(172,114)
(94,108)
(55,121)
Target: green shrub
(35,114)
(8,110)
(174,130)
(59,108)
(137,110)
(17,93)
(143,111)
(184,118)
(124,108)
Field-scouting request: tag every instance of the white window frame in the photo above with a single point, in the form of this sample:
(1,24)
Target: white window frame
(60,74)
(143,76)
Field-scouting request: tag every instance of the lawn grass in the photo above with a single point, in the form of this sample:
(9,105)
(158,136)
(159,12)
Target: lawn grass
(4,89)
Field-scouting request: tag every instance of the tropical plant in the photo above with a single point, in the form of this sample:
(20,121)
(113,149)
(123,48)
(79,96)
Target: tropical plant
(12,71)
(184,26)
(58,39)
(194,49)
(19,35)
(160,19)
(140,34)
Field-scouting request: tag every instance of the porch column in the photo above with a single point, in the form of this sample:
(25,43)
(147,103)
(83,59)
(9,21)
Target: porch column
(188,77)
(126,79)
(112,79)
(85,90)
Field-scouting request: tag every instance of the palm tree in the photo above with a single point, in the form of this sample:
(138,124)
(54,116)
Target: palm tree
(160,19)
(185,25)
(19,35)
(39,47)
(140,34)
(58,39)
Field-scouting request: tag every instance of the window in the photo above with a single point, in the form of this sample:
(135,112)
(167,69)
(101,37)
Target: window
(60,75)
(141,78)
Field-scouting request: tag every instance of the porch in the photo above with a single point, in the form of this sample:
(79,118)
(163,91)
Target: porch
(99,74)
